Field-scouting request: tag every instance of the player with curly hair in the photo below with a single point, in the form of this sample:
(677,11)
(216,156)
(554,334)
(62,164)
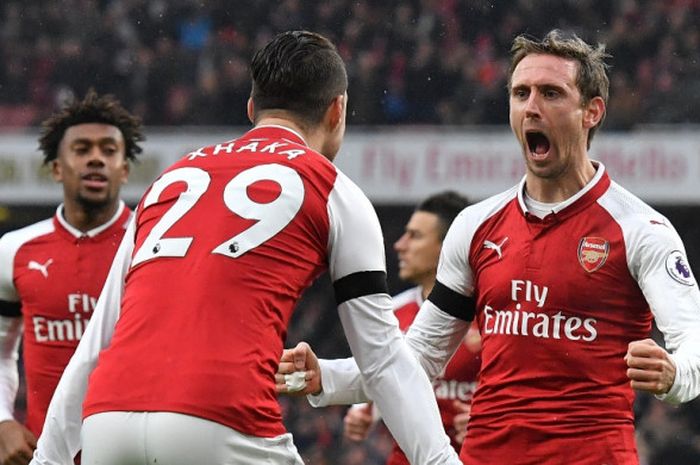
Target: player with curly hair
(51,272)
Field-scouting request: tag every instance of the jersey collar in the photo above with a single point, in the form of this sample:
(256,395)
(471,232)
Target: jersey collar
(94,231)
(577,202)
(275,131)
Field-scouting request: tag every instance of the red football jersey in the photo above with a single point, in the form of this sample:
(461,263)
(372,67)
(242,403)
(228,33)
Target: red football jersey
(194,310)
(458,381)
(558,300)
(239,230)
(56,274)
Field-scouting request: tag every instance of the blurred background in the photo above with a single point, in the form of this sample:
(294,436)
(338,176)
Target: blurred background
(427,111)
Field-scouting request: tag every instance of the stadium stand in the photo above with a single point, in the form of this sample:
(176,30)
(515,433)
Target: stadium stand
(410,61)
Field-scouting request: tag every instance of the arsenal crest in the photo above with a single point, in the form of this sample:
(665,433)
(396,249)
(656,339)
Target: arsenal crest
(592,253)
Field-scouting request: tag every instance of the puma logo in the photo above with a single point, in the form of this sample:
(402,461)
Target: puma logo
(496,247)
(43,269)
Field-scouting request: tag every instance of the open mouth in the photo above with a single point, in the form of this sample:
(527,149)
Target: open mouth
(538,144)
(94,180)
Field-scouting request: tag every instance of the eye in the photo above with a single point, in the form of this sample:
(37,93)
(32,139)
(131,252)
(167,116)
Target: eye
(109,150)
(520,93)
(551,94)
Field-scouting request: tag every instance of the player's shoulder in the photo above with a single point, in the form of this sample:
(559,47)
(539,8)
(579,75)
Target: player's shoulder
(350,210)
(13,240)
(632,213)
(476,214)
(347,186)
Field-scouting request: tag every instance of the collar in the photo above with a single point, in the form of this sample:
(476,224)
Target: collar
(92,232)
(577,202)
(275,131)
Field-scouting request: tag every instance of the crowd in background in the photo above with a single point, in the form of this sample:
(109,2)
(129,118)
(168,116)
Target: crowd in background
(184,62)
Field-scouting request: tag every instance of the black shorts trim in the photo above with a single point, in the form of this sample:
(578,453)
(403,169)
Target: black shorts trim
(11,309)
(454,303)
(360,284)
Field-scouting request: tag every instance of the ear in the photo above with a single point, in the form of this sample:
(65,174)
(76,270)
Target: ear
(593,112)
(335,114)
(56,171)
(251,110)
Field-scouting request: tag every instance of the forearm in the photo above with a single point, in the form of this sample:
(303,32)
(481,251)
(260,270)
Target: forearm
(674,299)
(341,384)
(10,333)
(395,381)
(686,385)
(677,315)
(434,337)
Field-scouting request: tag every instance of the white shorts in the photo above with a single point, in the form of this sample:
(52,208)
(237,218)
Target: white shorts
(165,438)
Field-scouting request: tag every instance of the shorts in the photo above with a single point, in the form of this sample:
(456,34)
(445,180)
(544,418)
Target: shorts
(166,438)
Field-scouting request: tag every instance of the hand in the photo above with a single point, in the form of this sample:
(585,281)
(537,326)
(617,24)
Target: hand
(300,358)
(650,367)
(17,443)
(357,422)
(461,419)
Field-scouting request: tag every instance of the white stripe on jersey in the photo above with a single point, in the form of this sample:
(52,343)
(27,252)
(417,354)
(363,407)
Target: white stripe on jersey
(10,243)
(650,239)
(355,241)
(454,270)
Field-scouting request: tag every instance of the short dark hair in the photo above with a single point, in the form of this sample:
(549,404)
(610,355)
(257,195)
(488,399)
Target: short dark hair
(446,206)
(592,79)
(300,72)
(105,109)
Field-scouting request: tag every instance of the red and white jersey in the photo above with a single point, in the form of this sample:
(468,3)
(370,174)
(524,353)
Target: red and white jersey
(457,382)
(194,313)
(558,300)
(51,275)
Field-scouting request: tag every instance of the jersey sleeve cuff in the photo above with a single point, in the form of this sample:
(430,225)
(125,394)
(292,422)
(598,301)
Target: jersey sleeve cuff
(341,384)
(687,375)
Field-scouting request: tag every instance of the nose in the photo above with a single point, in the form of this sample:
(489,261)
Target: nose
(400,244)
(96,157)
(532,106)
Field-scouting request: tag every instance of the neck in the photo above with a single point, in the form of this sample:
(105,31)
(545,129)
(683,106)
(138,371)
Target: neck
(427,287)
(84,219)
(312,138)
(562,186)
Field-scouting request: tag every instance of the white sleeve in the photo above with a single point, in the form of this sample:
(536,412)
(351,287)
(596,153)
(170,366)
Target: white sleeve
(10,325)
(8,248)
(392,376)
(454,270)
(60,438)
(665,277)
(434,337)
(341,384)
(436,334)
(10,335)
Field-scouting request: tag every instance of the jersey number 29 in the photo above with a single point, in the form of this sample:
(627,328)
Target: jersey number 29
(271,217)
